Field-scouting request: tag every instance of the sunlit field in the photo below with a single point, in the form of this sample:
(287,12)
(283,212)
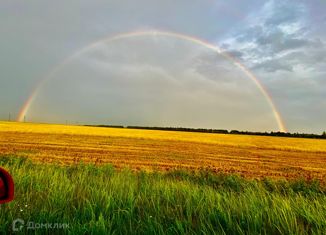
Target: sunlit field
(249,156)
(124,181)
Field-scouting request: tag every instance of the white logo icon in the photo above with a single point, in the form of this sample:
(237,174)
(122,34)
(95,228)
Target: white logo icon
(17,225)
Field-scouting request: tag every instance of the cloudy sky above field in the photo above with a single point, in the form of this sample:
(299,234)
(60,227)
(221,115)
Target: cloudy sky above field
(158,80)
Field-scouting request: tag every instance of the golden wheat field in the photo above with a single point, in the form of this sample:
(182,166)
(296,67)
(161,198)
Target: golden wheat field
(250,156)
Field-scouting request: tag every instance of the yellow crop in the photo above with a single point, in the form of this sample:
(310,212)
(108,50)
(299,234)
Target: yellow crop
(252,156)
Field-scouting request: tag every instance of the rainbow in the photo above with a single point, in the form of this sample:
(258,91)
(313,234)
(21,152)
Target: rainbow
(28,103)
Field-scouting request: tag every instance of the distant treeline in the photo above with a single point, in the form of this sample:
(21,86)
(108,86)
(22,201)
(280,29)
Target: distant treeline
(222,131)
(110,126)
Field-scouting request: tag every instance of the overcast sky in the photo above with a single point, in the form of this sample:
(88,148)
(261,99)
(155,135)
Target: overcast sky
(159,80)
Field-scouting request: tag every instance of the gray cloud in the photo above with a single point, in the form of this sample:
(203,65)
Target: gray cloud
(284,12)
(285,47)
(273,66)
(278,41)
(282,42)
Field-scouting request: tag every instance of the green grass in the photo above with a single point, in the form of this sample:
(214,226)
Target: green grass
(102,200)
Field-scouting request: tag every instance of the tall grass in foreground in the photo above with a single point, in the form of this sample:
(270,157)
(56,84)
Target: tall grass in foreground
(100,200)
